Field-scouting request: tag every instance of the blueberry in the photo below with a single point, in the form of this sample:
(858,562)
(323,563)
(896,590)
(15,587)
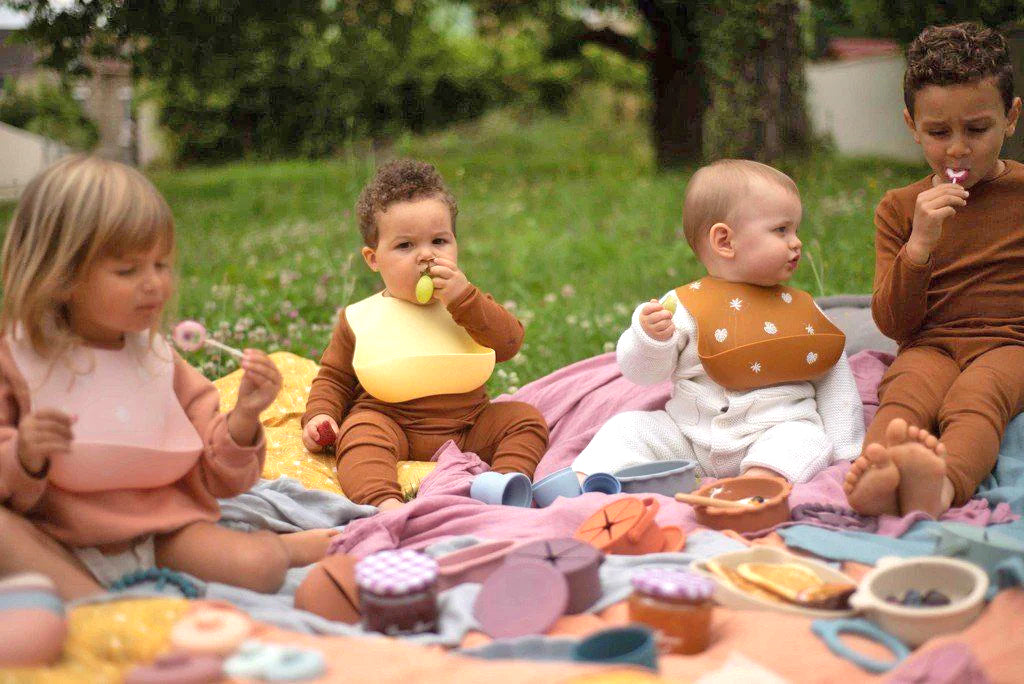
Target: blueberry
(935,598)
(912,598)
(757,499)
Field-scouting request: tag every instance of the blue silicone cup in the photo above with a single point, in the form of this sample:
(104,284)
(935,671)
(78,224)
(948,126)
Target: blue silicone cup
(559,483)
(506,489)
(603,483)
(633,645)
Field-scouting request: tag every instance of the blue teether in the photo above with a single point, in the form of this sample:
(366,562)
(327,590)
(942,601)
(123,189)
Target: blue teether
(295,664)
(274,662)
(829,631)
(162,577)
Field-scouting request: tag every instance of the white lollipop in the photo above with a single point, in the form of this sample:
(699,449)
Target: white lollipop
(956,176)
(190,336)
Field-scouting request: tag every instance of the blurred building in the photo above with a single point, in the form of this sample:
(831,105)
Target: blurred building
(106,98)
(856,99)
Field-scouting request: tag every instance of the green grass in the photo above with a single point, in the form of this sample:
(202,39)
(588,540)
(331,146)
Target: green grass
(562,218)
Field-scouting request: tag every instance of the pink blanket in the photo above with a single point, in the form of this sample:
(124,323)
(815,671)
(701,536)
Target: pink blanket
(576,400)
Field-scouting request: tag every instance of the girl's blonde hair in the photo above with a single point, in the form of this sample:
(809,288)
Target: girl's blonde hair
(78,210)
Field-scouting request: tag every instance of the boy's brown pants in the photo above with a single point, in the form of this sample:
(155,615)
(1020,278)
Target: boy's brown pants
(963,395)
(511,436)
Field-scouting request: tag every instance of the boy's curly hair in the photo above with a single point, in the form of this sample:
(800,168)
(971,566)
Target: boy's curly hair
(955,54)
(399,181)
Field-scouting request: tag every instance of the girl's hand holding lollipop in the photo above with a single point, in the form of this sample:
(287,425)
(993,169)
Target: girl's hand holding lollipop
(260,384)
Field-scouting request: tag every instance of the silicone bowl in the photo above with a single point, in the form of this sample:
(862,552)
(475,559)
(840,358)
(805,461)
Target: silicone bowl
(661,477)
(964,583)
(774,510)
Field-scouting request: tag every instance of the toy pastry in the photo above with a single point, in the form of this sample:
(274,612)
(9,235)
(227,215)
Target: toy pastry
(211,629)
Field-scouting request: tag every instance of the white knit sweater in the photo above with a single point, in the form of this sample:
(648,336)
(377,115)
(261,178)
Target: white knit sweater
(795,429)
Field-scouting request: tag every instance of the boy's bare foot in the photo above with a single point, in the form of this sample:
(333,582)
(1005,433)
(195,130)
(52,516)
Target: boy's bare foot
(872,482)
(308,546)
(921,462)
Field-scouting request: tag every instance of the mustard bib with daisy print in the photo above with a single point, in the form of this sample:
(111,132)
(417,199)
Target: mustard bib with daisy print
(750,336)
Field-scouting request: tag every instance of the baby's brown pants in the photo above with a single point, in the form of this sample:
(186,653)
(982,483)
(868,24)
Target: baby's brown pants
(964,397)
(511,436)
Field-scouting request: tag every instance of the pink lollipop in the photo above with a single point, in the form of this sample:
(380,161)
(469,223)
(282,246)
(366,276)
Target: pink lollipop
(956,176)
(190,336)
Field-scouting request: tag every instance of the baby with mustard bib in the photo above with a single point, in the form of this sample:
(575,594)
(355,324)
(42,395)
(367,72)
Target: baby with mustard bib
(760,383)
(406,368)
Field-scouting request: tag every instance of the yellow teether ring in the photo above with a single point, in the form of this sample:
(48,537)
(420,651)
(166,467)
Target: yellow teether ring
(669,302)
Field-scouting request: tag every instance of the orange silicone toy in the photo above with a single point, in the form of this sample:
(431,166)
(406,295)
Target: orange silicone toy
(627,527)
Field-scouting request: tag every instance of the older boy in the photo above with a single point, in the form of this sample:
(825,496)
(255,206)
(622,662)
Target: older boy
(407,220)
(948,288)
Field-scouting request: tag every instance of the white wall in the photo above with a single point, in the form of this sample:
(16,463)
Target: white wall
(22,156)
(859,104)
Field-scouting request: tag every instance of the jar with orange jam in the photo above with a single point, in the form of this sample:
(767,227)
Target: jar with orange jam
(677,605)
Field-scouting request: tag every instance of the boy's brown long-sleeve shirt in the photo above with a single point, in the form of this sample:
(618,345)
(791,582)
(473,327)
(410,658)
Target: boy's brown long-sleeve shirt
(336,391)
(970,295)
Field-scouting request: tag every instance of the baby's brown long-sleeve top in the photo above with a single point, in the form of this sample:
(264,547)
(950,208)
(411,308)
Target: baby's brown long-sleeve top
(969,296)
(336,391)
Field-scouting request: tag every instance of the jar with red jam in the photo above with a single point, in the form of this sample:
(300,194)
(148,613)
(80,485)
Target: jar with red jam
(677,605)
(398,592)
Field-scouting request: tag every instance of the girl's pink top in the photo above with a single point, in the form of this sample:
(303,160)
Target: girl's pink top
(151,452)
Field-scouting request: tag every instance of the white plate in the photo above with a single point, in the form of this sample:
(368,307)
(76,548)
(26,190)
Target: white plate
(730,597)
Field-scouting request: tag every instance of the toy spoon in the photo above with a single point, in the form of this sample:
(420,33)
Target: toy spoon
(190,336)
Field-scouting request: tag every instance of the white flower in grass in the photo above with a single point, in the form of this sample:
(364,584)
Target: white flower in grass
(756,366)
(721,334)
(809,329)
(770,328)
(695,285)
(736,303)
(811,358)
(787,298)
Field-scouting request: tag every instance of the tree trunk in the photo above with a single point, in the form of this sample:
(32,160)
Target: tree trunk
(677,84)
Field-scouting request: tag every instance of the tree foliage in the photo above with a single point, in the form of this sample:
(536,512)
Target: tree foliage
(296,77)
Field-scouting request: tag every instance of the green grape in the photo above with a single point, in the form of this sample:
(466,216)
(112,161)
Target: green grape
(670,302)
(424,289)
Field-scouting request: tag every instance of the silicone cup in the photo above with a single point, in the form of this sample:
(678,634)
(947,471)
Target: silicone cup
(603,483)
(559,483)
(506,489)
(632,645)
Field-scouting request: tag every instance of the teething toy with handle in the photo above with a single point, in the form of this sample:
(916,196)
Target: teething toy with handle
(190,336)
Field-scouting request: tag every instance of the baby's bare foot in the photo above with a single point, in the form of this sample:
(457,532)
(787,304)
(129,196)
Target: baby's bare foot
(922,465)
(872,482)
(308,546)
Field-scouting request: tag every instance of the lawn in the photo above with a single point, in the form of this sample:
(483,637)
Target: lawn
(562,218)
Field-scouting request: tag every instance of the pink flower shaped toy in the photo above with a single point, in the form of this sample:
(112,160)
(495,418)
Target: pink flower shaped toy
(190,336)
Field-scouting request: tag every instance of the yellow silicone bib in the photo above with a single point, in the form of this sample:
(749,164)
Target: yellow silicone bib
(406,351)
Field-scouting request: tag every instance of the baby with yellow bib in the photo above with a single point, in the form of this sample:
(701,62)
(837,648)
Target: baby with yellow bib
(406,368)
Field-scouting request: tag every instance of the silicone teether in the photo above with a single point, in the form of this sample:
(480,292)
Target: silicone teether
(956,176)
(190,336)
(670,302)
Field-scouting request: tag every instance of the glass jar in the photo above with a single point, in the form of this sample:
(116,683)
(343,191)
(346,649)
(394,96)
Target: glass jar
(398,592)
(677,605)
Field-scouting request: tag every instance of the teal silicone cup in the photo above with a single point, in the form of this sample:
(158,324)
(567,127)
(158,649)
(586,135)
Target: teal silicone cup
(506,489)
(632,645)
(559,483)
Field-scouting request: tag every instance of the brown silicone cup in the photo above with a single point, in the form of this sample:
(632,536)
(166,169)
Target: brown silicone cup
(773,511)
(330,590)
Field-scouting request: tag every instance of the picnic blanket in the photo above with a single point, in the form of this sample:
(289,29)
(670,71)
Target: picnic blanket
(573,399)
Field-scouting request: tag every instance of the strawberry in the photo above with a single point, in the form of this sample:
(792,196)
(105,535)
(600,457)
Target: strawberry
(325,435)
